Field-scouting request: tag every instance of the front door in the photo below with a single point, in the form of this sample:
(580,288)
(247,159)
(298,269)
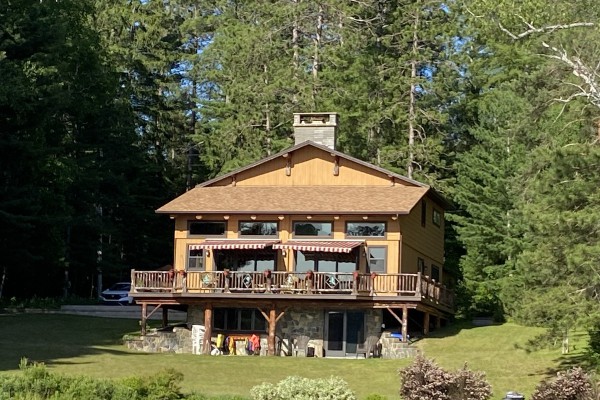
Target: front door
(344,330)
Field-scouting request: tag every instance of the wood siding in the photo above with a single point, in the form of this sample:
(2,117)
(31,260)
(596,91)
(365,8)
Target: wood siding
(391,240)
(310,166)
(418,241)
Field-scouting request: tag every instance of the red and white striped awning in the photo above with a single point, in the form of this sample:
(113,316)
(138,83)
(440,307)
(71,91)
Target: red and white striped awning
(233,244)
(330,246)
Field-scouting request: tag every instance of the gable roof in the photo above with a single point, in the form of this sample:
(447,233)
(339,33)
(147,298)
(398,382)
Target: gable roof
(393,199)
(319,146)
(297,200)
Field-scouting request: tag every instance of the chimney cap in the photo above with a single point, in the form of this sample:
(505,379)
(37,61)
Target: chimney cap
(316,118)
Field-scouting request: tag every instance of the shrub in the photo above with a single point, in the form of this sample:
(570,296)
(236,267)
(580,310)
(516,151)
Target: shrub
(425,380)
(574,384)
(297,388)
(37,383)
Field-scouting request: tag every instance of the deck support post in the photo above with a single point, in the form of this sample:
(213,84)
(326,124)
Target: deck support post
(438,322)
(208,314)
(404,324)
(426,323)
(165,316)
(143,321)
(272,331)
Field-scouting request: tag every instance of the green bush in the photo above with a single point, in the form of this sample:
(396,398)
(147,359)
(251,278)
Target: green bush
(37,383)
(297,388)
(425,380)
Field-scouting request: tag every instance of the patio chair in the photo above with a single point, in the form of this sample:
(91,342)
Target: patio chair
(301,345)
(367,347)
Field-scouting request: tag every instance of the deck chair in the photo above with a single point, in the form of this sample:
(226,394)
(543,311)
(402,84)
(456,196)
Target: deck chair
(301,344)
(367,347)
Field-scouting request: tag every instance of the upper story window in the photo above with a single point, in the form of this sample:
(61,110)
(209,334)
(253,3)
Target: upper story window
(195,259)
(207,228)
(253,228)
(313,229)
(435,273)
(436,218)
(421,267)
(377,259)
(376,229)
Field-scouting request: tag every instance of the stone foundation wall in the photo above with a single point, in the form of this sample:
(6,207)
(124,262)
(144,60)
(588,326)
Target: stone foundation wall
(294,323)
(178,341)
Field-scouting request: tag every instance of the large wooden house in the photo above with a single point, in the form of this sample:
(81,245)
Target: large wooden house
(308,244)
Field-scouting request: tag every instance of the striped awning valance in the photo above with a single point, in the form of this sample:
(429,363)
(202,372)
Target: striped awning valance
(233,244)
(329,246)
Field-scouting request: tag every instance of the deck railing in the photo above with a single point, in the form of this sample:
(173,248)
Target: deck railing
(280,282)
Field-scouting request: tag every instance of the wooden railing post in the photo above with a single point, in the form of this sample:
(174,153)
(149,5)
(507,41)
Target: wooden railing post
(133,283)
(355,282)
(309,282)
(418,289)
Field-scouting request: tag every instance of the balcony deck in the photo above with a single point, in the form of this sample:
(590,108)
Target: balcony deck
(312,286)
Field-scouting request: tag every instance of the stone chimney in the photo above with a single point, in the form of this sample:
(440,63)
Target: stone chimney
(320,128)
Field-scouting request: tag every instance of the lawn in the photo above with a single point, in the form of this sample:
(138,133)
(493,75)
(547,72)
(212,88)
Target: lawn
(91,346)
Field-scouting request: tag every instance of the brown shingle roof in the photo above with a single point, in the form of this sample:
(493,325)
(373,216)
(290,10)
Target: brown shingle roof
(297,199)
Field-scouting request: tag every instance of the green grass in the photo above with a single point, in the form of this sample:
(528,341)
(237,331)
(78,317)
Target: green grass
(91,346)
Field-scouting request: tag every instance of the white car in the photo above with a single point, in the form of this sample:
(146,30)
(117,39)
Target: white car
(117,294)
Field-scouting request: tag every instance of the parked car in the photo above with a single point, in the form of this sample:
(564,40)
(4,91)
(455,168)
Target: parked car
(117,294)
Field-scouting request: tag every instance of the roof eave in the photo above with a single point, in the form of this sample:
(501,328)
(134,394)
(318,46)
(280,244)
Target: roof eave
(279,212)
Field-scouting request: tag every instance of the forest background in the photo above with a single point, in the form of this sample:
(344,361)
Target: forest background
(108,109)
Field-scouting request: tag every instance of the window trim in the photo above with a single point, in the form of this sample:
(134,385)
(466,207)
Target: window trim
(241,235)
(188,257)
(256,316)
(294,235)
(421,266)
(439,270)
(385,229)
(385,258)
(255,260)
(315,267)
(190,222)
(436,217)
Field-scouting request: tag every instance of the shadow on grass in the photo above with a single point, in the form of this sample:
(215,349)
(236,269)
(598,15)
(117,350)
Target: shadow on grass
(52,338)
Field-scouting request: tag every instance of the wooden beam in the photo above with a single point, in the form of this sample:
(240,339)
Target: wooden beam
(165,316)
(143,321)
(426,323)
(404,324)
(206,343)
(281,314)
(394,314)
(272,331)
